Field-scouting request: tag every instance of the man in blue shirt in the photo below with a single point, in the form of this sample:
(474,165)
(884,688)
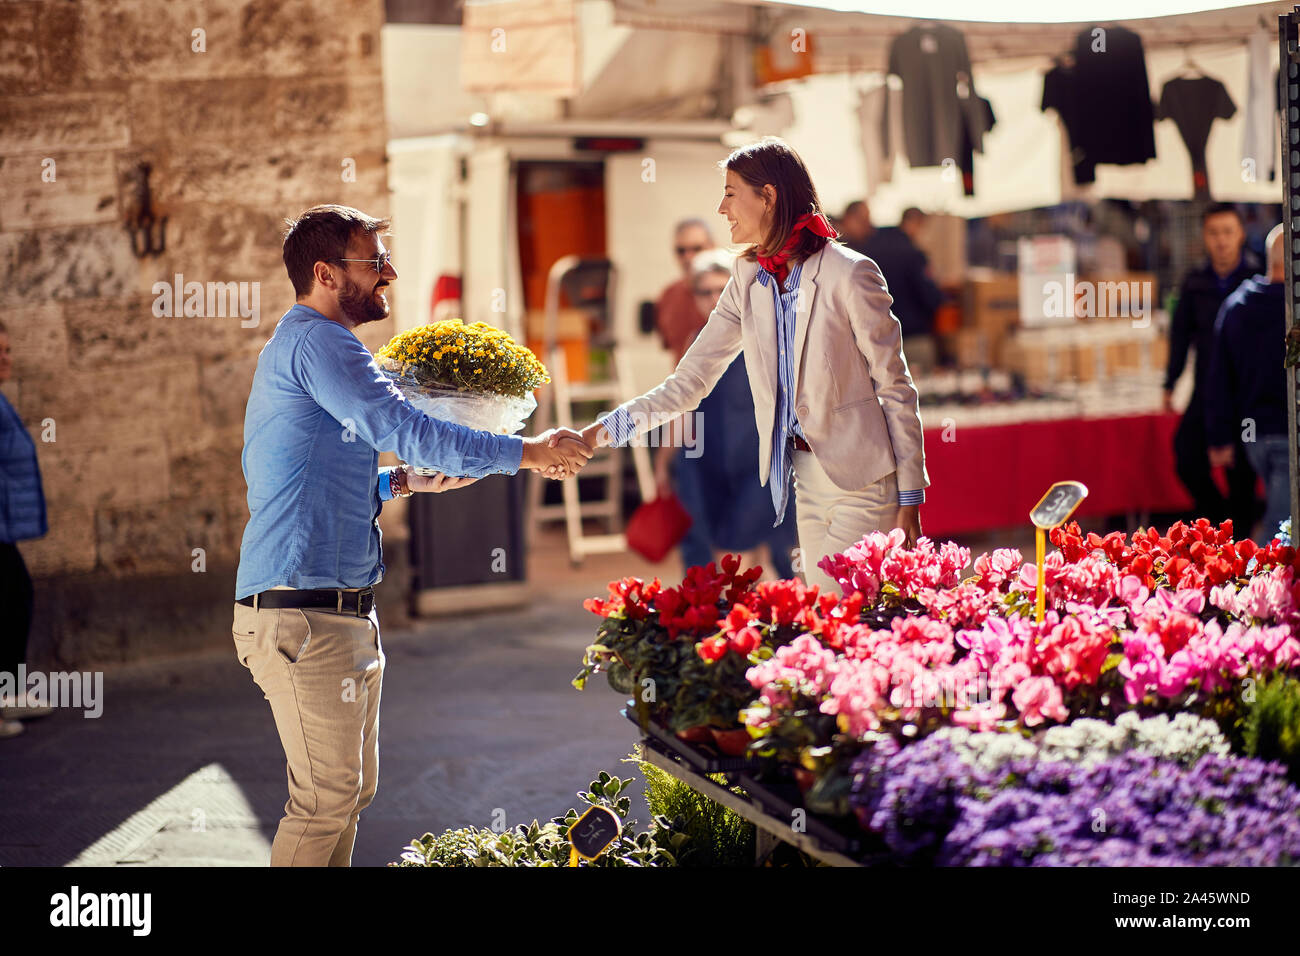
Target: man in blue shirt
(319,412)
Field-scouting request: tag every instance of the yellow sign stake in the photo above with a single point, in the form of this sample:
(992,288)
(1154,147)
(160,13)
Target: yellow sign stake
(1053,510)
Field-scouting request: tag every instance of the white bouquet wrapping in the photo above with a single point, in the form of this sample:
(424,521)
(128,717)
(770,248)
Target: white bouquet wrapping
(474,375)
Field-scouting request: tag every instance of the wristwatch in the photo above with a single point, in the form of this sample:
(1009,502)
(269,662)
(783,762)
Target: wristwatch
(395,484)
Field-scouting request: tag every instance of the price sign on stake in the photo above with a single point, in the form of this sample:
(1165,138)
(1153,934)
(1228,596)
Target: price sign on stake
(592,832)
(1053,510)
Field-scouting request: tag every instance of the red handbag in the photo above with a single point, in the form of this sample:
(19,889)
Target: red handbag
(656,527)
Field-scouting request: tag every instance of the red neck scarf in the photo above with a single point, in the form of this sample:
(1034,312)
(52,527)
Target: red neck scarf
(777,264)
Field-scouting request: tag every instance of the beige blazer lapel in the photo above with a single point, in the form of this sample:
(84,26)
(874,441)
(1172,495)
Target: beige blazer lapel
(763,308)
(803,311)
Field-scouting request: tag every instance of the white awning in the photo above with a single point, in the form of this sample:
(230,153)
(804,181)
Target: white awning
(846,37)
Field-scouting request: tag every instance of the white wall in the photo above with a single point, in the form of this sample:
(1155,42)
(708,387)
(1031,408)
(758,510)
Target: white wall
(641,215)
(423,176)
(422,91)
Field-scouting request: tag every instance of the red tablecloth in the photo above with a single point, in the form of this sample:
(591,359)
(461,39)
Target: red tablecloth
(990,476)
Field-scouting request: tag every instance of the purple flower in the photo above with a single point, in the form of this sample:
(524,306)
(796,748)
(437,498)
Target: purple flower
(929,806)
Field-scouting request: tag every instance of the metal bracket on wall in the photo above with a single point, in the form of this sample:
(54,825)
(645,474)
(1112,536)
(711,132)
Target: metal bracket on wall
(146,240)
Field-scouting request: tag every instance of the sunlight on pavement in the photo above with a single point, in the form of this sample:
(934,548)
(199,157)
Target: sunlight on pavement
(204,820)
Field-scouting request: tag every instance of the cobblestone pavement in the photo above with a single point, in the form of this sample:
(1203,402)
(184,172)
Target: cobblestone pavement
(184,767)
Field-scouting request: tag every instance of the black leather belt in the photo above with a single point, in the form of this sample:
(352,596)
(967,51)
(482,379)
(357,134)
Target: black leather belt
(360,603)
(800,444)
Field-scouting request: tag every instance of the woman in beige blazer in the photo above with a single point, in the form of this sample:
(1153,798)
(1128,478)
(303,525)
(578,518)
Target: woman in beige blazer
(835,405)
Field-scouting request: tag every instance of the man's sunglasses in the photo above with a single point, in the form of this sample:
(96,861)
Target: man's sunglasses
(379,262)
(693,250)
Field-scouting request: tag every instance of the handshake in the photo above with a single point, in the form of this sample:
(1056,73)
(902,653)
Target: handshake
(562,452)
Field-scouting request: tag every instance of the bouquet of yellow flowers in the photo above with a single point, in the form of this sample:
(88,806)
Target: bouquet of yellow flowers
(473,375)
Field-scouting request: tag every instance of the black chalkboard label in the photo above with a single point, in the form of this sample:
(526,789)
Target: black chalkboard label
(1058,504)
(592,832)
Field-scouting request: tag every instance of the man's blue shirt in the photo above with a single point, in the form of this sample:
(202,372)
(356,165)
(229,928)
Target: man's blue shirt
(319,412)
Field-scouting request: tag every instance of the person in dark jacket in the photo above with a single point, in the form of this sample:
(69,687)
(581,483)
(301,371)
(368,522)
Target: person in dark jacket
(907,273)
(22,516)
(1202,292)
(1245,397)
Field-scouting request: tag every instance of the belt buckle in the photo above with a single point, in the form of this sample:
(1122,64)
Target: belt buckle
(339,606)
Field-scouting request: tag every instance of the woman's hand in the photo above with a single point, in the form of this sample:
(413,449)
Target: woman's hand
(596,435)
(909,519)
(435,483)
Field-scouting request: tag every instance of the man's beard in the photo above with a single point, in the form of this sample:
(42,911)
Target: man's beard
(360,307)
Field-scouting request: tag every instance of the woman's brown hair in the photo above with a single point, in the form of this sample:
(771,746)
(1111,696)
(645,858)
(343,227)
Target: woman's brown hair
(772,161)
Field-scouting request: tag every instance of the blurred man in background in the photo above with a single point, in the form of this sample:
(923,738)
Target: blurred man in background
(677,316)
(907,274)
(855,225)
(1201,295)
(1246,388)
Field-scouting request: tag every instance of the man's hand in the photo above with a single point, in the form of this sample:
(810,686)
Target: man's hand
(909,519)
(556,454)
(435,483)
(595,435)
(1222,456)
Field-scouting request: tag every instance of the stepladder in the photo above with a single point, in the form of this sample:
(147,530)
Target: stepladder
(595,496)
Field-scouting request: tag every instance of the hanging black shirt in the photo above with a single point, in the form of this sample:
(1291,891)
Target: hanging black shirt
(1194,103)
(982,121)
(1104,100)
(1060,93)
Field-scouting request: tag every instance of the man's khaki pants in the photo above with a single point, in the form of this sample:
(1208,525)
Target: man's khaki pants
(322,673)
(831,519)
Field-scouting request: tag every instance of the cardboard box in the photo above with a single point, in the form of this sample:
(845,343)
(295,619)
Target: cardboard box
(972,349)
(1084,358)
(1123,356)
(991,302)
(1043,361)
(1123,297)
(1160,354)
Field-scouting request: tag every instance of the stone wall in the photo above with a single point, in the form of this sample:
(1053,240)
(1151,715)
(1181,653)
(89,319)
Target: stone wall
(249,111)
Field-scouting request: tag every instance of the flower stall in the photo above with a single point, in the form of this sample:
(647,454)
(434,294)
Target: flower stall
(924,716)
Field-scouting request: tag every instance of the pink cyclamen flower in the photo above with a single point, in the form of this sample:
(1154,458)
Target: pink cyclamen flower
(1039,699)
(1142,664)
